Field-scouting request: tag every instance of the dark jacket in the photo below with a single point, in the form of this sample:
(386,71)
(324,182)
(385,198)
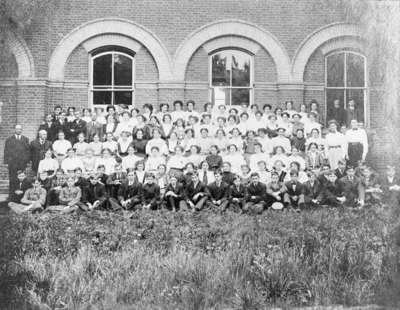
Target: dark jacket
(94,192)
(127,191)
(218,192)
(92,129)
(37,152)
(17,152)
(51,129)
(22,186)
(192,190)
(338,114)
(294,188)
(312,191)
(237,192)
(150,193)
(177,190)
(258,190)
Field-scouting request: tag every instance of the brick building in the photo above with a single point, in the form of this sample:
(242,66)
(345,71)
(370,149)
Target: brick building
(162,50)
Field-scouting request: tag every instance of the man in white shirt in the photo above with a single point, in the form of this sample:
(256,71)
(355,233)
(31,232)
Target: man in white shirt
(357,142)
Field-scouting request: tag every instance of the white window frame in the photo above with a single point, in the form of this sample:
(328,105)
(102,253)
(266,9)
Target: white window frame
(345,87)
(111,88)
(251,84)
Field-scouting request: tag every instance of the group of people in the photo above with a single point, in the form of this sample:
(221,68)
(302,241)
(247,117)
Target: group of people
(227,157)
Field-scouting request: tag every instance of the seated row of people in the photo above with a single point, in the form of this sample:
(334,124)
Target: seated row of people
(191,190)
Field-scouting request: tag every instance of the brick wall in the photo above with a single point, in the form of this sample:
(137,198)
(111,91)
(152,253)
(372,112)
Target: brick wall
(77,67)
(171,21)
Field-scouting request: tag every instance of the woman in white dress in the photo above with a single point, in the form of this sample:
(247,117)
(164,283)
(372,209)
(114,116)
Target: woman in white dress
(61,147)
(235,158)
(336,144)
(89,161)
(167,125)
(237,139)
(125,125)
(110,143)
(129,161)
(48,164)
(96,145)
(107,160)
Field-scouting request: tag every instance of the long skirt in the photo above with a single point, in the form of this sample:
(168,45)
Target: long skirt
(334,155)
(355,151)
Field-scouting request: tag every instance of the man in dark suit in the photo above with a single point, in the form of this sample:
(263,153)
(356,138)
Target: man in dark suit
(94,127)
(128,194)
(22,185)
(351,187)
(255,195)
(219,192)
(294,192)
(340,171)
(94,195)
(115,180)
(38,148)
(196,193)
(312,189)
(150,193)
(16,156)
(51,128)
(337,113)
(75,127)
(352,113)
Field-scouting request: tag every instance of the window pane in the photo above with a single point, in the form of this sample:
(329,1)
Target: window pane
(221,69)
(221,96)
(331,96)
(240,95)
(335,70)
(122,70)
(102,70)
(358,96)
(240,69)
(123,97)
(355,70)
(101,97)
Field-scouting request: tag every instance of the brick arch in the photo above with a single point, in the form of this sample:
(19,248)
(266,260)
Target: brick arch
(350,32)
(121,29)
(22,54)
(232,28)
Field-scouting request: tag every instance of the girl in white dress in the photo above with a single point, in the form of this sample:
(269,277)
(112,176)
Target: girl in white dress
(107,160)
(110,143)
(235,158)
(336,144)
(48,164)
(96,145)
(89,161)
(129,161)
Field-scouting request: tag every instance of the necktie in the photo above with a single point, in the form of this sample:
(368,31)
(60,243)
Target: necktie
(205,179)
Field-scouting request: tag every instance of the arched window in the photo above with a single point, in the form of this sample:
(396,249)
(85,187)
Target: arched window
(112,78)
(231,79)
(345,80)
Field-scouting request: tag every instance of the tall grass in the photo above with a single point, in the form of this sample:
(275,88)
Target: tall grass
(161,260)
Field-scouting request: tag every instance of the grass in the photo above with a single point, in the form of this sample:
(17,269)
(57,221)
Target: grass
(164,260)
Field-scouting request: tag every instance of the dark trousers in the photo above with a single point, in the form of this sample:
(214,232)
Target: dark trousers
(237,206)
(355,151)
(199,202)
(175,203)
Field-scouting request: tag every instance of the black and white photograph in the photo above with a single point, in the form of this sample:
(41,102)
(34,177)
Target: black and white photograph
(199,155)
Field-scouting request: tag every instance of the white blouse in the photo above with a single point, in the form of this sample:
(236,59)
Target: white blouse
(47,164)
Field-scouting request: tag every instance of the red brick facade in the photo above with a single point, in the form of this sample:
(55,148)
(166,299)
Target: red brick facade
(280,30)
